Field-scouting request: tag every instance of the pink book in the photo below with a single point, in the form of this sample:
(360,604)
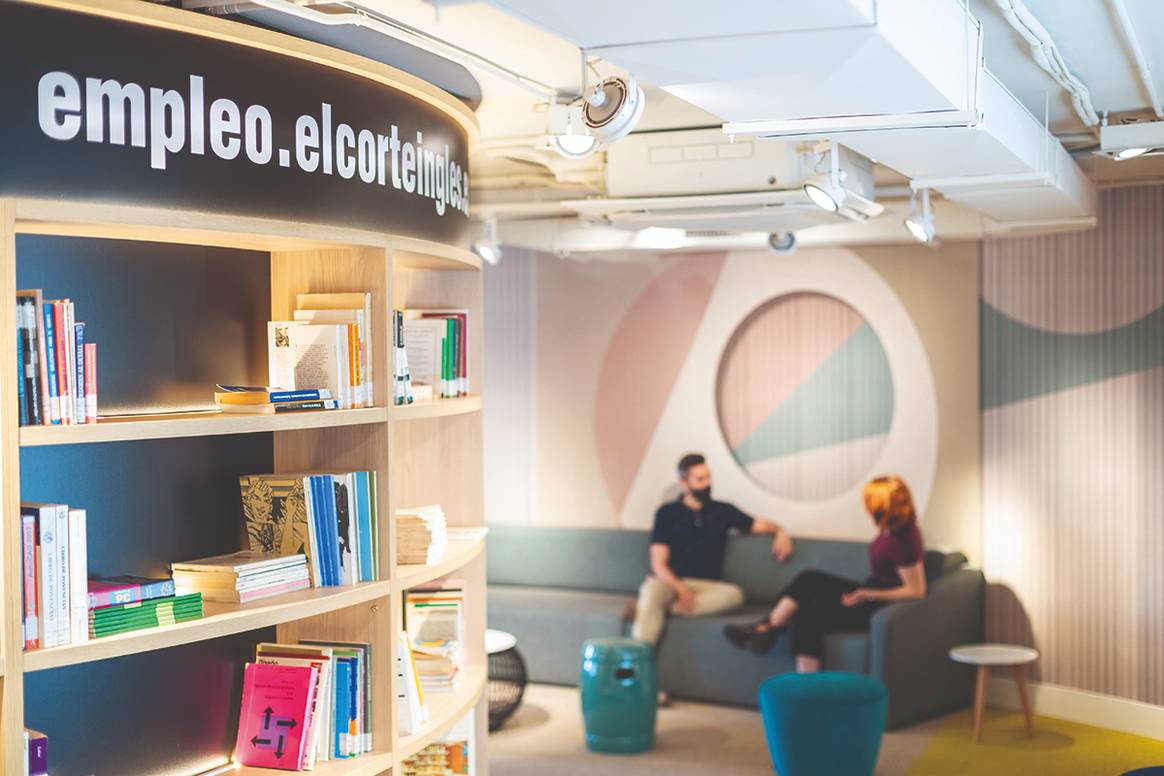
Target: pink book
(285,587)
(273,721)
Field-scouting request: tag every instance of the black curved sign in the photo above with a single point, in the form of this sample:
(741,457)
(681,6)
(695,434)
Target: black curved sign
(98,109)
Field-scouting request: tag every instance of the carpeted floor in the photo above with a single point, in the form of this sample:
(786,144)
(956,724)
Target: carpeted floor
(545,738)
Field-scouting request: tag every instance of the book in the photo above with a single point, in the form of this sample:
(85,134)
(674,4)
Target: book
(410,705)
(21,403)
(274,408)
(112,591)
(90,382)
(319,734)
(311,356)
(274,716)
(78,576)
(351,301)
(241,562)
(354,320)
(362,500)
(242,576)
(244,394)
(28,381)
(28,569)
(79,372)
(122,618)
(34,301)
(361,652)
(456,346)
(278,522)
(62,586)
(421,535)
(51,363)
(35,753)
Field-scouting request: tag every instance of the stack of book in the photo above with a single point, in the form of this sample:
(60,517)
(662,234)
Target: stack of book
(436,344)
(259,400)
(331,519)
(327,344)
(304,703)
(242,576)
(54,572)
(422,535)
(35,753)
(440,759)
(56,369)
(434,621)
(149,613)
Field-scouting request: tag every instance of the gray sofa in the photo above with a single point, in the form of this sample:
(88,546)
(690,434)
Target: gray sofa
(556,587)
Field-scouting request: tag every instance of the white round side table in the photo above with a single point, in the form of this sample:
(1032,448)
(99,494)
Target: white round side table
(987,655)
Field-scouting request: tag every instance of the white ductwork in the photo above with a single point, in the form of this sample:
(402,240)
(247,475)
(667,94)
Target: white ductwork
(900,81)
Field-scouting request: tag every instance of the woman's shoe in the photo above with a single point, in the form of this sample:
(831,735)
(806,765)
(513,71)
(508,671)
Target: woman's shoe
(761,641)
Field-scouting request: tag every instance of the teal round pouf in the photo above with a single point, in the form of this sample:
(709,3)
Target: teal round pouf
(826,723)
(619,695)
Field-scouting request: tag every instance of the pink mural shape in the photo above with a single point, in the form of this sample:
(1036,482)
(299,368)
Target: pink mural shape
(643,361)
(1050,281)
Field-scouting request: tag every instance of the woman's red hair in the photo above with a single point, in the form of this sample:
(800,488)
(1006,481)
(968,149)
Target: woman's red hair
(889,502)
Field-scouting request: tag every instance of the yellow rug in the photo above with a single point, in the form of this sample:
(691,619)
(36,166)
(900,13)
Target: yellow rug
(1059,748)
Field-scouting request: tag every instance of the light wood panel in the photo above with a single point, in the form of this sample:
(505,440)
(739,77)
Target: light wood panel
(459,554)
(438,461)
(11,614)
(371,764)
(221,619)
(436,408)
(193,424)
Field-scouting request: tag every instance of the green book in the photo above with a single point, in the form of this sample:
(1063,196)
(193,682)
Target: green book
(151,614)
(152,604)
(96,633)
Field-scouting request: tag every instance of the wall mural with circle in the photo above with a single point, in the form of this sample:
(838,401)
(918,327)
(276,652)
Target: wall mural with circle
(805,396)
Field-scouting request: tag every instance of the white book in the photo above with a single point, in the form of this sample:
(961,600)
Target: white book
(345,532)
(280,356)
(350,301)
(423,342)
(62,571)
(46,583)
(320,353)
(362,391)
(459,386)
(78,577)
(409,703)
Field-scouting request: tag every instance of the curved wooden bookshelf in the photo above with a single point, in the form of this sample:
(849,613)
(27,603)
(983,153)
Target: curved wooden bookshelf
(125,428)
(221,620)
(371,764)
(444,711)
(437,408)
(459,553)
(410,253)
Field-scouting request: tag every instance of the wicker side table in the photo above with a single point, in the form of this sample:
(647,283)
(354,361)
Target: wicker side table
(507,676)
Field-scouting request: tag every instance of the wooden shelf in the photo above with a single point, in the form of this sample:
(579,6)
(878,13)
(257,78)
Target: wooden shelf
(437,408)
(409,253)
(458,554)
(444,711)
(192,424)
(370,764)
(221,620)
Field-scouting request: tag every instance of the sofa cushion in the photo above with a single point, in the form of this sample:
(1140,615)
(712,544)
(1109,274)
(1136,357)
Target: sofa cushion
(550,625)
(608,560)
(696,662)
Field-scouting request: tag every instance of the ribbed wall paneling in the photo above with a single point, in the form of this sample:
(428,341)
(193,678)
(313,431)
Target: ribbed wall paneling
(1073,447)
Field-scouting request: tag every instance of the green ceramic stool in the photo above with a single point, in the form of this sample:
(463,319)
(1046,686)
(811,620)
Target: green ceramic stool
(619,695)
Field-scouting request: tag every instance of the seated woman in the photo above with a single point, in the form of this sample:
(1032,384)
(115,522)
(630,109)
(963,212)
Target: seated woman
(816,604)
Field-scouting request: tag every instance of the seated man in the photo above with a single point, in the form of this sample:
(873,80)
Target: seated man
(687,548)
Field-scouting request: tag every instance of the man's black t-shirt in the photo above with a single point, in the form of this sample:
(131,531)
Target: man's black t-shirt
(697,539)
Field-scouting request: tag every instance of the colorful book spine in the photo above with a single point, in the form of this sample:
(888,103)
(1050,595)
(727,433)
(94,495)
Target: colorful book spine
(78,577)
(295,406)
(21,404)
(30,361)
(35,753)
(364,521)
(63,349)
(28,573)
(48,630)
(81,409)
(279,397)
(50,342)
(115,592)
(90,382)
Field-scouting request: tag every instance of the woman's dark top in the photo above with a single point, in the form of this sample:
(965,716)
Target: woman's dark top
(892,549)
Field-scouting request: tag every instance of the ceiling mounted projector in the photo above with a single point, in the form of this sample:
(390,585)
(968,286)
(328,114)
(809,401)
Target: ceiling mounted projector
(613,108)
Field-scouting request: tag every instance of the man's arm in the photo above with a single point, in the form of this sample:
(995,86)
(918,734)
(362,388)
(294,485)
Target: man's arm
(781,541)
(661,568)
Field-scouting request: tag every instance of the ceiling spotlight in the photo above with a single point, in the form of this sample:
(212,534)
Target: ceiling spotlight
(826,191)
(920,222)
(660,238)
(613,108)
(485,243)
(567,133)
(1130,153)
(782,243)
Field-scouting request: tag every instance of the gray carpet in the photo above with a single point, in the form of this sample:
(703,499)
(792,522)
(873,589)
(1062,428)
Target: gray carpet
(544,738)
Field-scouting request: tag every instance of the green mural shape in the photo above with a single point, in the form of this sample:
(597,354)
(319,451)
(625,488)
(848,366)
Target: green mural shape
(849,397)
(1021,362)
